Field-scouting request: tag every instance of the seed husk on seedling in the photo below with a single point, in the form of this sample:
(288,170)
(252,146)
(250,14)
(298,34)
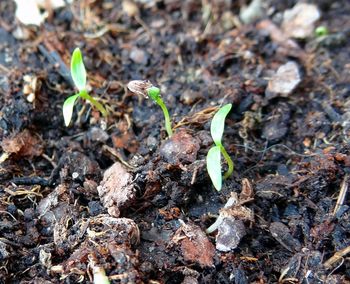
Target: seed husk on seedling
(78,74)
(214,154)
(148,90)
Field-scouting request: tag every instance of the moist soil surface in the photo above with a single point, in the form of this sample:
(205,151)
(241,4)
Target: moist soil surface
(115,196)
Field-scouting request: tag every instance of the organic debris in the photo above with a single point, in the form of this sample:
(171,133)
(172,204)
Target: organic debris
(195,246)
(116,190)
(23,145)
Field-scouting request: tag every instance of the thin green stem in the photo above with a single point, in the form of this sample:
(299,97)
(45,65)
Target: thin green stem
(228,160)
(84,94)
(160,102)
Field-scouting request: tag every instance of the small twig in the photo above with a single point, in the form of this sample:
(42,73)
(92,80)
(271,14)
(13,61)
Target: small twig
(115,28)
(9,214)
(145,27)
(50,160)
(114,153)
(194,175)
(338,266)
(31,181)
(343,190)
(200,117)
(21,191)
(6,241)
(336,257)
(4,69)
(275,146)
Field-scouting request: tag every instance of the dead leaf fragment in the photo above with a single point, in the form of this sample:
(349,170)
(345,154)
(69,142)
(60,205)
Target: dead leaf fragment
(22,144)
(195,246)
(247,192)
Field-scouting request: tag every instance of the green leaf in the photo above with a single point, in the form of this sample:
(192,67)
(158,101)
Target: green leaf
(68,108)
(218,123)
(77,70)
(214,167)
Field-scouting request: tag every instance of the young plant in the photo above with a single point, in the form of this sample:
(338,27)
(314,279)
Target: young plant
(78,74)
(146,89)
(321,31)
(214,154)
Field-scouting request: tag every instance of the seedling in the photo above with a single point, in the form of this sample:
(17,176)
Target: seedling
(214,154)
(146,89)
(321,31)
(78,74)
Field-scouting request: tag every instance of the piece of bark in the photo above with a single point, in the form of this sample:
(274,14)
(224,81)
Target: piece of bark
(116,190)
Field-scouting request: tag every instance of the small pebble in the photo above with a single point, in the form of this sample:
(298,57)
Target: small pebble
(96,134)
(95,208)
(12,209)
(182,147)
(251,13)
(139,56)
(189,97)
(283,83)
(230,233)
(299,22)
(282,234)
(75,175)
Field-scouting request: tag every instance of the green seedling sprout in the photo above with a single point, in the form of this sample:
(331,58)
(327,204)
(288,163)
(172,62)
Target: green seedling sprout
(146,89)
(78,74)
(321,31)
(214,154)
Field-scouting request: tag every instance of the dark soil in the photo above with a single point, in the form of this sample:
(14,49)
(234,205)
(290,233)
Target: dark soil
(117,196)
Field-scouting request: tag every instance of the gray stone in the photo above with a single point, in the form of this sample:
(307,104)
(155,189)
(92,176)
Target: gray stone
(283,83)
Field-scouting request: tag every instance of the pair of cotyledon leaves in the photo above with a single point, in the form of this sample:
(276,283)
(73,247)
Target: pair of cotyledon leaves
(78,74)
(214,154)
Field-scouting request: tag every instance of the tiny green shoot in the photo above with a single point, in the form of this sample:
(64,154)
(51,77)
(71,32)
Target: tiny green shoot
(214,154)
(78,74)
(154,94)
(146,89)
(321,31)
